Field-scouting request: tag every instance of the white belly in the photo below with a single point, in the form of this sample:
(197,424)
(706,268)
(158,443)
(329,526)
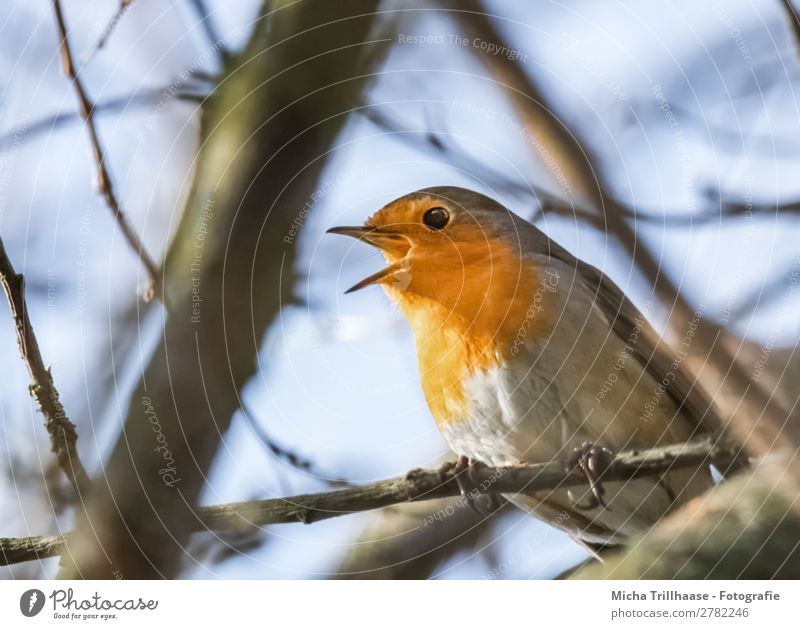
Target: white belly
(553,396)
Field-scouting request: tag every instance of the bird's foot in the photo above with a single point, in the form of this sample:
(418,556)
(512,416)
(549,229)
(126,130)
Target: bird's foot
(592,460)
(463,471)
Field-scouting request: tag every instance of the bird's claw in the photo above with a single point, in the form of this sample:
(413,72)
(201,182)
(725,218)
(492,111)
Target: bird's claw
(463,471)
(592,460)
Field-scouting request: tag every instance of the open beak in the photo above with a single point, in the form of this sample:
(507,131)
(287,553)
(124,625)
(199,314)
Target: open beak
(390,242)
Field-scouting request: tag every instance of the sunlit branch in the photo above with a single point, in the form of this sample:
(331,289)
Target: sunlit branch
(415,486)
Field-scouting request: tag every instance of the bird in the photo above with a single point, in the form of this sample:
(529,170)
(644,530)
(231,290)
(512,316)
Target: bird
(528,354)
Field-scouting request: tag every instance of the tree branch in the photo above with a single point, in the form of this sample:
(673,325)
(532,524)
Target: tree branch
(104,178)
(62,433)
(417,485)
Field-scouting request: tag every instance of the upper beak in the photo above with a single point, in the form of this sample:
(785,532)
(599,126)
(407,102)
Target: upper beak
(354,232)
(381,238)
(388,241)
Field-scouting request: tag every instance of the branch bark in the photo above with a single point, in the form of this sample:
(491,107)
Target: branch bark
(415,486)
(63,437)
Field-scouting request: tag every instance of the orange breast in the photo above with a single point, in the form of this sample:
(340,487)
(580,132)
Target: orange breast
(486,326)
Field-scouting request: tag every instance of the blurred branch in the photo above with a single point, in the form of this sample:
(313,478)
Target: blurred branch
(441,143)
(747,528)
(291,458)
(266,133)
(794,22)
(123,6)
(725,210)
(104,178)
(395,546)
(63,437)
(143,97)
(207,24)
(417,485)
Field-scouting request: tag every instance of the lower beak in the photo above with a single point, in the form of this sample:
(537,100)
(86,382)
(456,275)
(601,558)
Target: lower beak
(387,241)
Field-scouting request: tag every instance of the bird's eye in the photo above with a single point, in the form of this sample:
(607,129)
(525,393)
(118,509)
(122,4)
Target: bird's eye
(436,217)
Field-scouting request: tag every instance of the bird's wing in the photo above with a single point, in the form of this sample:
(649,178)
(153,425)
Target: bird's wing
(650,349)
(646,344)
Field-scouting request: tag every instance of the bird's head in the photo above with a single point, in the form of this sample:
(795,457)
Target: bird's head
(448,246)
(462,268)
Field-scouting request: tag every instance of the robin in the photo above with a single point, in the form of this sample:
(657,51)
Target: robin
(527,354)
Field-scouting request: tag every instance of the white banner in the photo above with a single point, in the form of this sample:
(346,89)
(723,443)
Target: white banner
(387,604)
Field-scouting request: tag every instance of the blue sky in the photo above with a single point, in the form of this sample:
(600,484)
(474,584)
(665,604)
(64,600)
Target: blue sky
(337,379)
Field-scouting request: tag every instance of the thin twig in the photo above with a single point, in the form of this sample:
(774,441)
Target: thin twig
(415,486)
(63,437)
(291,458)
(123,6)
(104,178)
